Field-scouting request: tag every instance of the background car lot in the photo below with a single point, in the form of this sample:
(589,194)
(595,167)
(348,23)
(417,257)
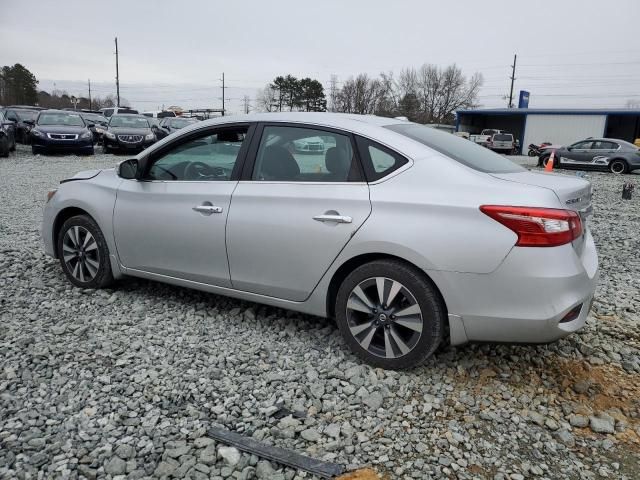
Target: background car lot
(150,365)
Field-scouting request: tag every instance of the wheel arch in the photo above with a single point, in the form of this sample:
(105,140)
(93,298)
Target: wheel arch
(63,216)
(352,263)
(622,159)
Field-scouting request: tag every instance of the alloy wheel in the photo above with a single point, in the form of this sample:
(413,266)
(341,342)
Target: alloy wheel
(384,317)
(81,254)
(618,167)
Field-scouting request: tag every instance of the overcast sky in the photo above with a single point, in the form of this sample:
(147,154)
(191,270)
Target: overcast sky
(570,53)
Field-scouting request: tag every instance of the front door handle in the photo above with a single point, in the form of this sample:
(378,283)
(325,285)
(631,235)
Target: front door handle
(207,209)
(333,218)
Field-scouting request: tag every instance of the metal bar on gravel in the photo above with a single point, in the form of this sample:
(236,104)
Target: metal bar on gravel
(277,454)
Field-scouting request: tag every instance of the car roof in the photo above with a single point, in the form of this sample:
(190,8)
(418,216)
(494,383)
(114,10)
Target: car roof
(128,115)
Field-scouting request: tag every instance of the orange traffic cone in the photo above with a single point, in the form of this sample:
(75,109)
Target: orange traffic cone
(549,166)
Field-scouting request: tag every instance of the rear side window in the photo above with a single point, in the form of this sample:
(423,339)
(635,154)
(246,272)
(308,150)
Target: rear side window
(378,160)
(457,148)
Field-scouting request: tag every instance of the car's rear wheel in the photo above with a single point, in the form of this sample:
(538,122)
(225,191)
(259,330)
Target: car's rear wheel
(390,314)
(4,147)
(83,253)
(618,166)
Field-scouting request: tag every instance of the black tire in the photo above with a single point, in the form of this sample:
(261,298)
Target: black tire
(103,276)
(4,147)
(432,316)
(105,149)
(618,166)
(13,145)
(532,153)
(544,160)
(35,150)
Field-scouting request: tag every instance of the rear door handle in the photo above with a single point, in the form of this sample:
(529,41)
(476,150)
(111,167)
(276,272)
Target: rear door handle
(207,209)
(333,218)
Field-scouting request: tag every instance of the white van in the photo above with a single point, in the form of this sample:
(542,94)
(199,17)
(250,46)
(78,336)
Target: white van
(107,112)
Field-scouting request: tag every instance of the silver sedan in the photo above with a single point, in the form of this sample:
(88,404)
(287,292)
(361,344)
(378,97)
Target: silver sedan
(406,235)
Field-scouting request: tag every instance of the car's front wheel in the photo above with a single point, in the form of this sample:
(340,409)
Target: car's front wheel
(83,253)
(390,314)
(618,166)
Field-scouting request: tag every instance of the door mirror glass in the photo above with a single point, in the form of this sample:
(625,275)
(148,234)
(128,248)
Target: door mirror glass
(128,169)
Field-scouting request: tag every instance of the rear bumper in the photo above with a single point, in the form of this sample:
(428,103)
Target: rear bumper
(527,298)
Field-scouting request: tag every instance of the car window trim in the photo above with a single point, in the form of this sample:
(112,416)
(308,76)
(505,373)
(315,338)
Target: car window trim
(250,161)
(147,160)
(368,163)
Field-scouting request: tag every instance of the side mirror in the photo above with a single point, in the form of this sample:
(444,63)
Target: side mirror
(29,122)
(90,124)
(128,169)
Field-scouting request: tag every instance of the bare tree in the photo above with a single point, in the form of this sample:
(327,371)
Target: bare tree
(267,100)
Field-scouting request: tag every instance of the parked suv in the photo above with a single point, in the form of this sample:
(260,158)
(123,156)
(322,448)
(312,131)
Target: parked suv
(501,142)
(24,119)
(131,133)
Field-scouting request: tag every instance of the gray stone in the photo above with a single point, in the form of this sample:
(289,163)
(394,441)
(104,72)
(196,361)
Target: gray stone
(310,435)
(602,424)
(230,455)
(115,466)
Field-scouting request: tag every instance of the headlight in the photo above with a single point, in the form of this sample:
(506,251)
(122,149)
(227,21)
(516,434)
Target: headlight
(37,132)
(86,134)
(110,135)
(151,136)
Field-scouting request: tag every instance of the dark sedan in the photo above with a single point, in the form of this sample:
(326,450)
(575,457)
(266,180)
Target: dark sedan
(7,136)
(169,125)
(23,119)
(611,154)
(128,133)
(60,131)
(96,123)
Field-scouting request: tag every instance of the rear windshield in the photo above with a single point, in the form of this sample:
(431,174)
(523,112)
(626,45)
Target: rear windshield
(68,119)
(457,148)
(503,137)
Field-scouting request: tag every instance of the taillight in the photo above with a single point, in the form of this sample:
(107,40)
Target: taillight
(537,227)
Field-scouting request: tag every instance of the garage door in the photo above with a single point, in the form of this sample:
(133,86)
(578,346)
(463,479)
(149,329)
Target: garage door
(563,129)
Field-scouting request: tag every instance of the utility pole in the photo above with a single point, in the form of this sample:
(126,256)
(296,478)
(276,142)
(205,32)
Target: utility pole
(90,104)
(333,92)
(223,94)
(117,77)
(246,101)
(513,77)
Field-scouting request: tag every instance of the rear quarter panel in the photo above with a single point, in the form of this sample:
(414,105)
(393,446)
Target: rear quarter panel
(430,215)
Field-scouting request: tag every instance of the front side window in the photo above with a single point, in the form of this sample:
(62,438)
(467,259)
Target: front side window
(457,148)
(211,157)
(299,154)
(603,145)
(582,145)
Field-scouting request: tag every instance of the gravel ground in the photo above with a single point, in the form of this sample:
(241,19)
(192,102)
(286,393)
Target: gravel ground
(122,383)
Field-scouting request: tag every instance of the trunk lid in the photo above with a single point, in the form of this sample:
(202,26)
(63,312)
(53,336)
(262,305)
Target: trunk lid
(574,193)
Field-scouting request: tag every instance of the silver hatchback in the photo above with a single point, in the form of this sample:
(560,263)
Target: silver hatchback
(404,234)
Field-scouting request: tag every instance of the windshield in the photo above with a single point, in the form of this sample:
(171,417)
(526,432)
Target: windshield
(457,148)
(59,118)
(27,114)
(129,122)
(181,122)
